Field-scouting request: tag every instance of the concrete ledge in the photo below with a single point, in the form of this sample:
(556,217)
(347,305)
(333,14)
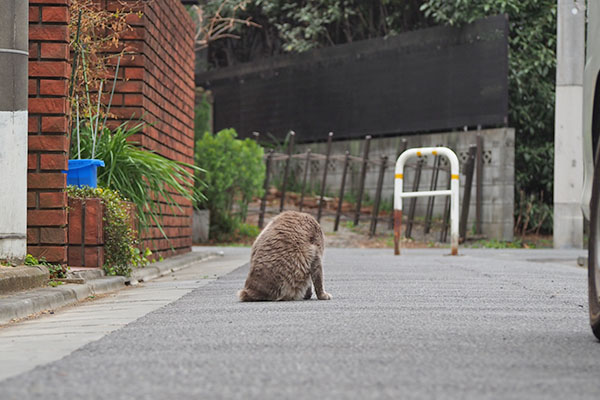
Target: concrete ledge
(23,304)
(15,279)
(169,265)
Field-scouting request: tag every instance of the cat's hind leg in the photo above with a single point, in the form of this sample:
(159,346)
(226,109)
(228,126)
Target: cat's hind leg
(316,273)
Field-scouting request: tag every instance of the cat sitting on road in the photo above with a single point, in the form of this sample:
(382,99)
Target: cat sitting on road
(285,257)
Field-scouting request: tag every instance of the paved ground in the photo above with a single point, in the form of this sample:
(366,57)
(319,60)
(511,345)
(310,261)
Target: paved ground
(28,344)
(489,324)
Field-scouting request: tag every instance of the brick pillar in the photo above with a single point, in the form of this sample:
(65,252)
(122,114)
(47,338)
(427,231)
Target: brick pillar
(48,124)
(158,84)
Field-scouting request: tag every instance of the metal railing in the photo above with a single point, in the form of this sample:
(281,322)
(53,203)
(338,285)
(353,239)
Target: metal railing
(452,192)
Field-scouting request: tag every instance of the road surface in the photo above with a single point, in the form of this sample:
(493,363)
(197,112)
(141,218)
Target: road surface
(487,324)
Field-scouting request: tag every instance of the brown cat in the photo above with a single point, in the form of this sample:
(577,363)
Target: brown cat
(285,257)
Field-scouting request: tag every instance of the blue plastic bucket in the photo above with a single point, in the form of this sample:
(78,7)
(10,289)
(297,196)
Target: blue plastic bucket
(83,172)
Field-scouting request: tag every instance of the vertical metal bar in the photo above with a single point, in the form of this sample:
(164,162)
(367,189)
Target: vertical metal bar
(375,212)
(263,201)
(432,187)
(413,201)
(446,218)
(341,201)
(287,169)
(329,140)
(401,149)
(479,184)
(306,167)
(363,175)
(397,228)
(466,200)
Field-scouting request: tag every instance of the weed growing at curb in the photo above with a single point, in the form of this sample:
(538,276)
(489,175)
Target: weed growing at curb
(56,271)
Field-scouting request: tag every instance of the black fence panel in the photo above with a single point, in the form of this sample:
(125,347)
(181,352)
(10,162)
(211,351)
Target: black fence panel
(428,80)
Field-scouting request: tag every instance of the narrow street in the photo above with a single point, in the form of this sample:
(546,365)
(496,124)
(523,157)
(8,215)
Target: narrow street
(486,324)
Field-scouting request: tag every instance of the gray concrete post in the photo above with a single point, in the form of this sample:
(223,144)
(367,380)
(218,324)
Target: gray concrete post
(14,45)
(568,133)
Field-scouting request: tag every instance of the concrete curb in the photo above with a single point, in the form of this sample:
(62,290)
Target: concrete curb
(169,265)
(24,304)
(14,279)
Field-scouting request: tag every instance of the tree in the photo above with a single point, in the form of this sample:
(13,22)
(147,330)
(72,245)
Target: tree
(303,25)
(531,75)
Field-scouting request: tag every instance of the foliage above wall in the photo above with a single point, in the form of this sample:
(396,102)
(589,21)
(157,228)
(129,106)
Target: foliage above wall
(532,69)
(303,25)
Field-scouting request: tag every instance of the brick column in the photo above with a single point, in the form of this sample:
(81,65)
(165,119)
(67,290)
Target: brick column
(158,84)
(48,124)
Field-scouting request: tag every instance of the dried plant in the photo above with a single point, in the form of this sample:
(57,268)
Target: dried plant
(96,48)
(218,26)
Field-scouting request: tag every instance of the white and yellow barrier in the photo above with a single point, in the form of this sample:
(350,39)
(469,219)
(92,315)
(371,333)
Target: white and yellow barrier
(453,192)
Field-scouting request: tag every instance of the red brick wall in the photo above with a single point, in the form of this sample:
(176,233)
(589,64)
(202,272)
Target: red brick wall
(158,83)
(48,118)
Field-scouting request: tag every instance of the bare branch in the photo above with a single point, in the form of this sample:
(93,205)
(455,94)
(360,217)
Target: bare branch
(215,27)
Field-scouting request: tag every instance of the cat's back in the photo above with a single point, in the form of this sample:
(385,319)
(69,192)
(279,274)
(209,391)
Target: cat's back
(289,233)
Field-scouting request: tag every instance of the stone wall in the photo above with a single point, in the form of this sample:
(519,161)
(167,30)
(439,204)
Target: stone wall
(498,174)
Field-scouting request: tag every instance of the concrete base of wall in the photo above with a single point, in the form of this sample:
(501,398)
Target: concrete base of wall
(200,226)
(13,180)
(14,279)
(568,168)
(568,226)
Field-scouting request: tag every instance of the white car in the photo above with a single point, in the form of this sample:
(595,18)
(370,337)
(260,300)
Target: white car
(591,135)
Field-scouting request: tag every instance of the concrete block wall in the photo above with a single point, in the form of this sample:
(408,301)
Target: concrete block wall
(498,173)
(157,84)
(48,142)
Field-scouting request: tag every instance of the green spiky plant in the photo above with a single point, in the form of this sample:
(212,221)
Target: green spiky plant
(140,175)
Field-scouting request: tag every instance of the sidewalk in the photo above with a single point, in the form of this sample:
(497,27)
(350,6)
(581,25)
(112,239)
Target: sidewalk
(22,304)
(38,341)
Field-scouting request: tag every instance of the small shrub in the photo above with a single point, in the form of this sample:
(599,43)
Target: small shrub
(121,249)
(232,170)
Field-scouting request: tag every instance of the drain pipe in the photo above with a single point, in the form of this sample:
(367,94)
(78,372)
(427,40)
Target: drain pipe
(14,45)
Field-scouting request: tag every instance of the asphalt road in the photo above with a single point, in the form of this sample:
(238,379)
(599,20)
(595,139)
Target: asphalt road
(489,324)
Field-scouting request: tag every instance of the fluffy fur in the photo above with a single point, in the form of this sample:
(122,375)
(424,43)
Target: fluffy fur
(285,257)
